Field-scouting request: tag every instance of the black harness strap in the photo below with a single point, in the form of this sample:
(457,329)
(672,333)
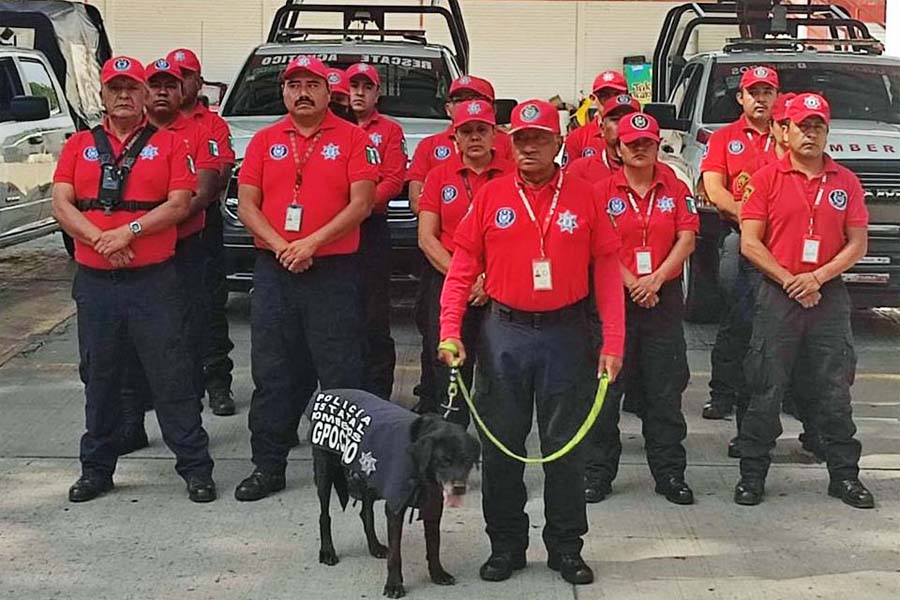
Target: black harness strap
(130,152)
(109,199)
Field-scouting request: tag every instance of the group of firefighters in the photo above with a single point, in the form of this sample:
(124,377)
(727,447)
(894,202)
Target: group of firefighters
(539,279)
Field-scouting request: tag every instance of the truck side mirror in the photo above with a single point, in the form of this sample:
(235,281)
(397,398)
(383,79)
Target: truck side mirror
(503,109)
(664,114)
(29,108)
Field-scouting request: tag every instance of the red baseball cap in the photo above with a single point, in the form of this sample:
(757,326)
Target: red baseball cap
(804,106)
(535,114)
(308,64)
(163,66)
(474,110)
(759,74)
(610,79)
(122,66)
(623,103)
(185,59)
(363,70)
(337,80)
(636,126)
(470,83)
(780,107)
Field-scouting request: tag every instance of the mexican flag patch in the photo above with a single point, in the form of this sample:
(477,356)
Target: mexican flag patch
(214,148)
(372,156)
(691,204)
(190,165)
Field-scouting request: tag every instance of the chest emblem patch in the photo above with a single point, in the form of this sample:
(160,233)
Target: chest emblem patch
(505,217)
(331,152)
(838,199)
(568,222)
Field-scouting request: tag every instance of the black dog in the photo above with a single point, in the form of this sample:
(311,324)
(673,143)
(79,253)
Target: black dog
(440,457)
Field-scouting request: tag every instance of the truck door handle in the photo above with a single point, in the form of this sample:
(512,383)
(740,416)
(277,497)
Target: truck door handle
(11,199)
(36,139)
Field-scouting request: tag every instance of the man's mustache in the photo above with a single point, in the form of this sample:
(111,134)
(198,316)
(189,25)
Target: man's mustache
(303,100)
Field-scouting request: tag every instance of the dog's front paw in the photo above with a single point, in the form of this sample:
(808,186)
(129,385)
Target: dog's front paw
(394,589)
(327,556)
(442,577)
(378,551)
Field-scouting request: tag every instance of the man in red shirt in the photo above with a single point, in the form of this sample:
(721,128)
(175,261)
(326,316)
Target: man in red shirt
(588,140)
(534,235)
(119,191)
(306,184)
(600,165)
(340,94)
(386,136)
(164,83)
(217,365)
(732,155)
(803,223)
(437,148)
(449,190)
(655,217)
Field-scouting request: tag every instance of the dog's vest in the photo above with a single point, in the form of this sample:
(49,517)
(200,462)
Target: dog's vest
(373,438)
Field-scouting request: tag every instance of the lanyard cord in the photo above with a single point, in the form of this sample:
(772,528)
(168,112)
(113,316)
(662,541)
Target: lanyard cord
(300,164)
(542,231)
(645,222)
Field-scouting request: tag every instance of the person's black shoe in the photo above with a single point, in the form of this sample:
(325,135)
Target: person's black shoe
(221,402)
(715,412)
(733,450)
(813,444)
(258,486)
(675,490)
(852,492)
(749,493)
(201,488)
(572,568)
(133,439)
(88,488)
(500,566)
(596,490)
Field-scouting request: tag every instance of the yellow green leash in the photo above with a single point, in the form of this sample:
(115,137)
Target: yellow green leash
(457,385)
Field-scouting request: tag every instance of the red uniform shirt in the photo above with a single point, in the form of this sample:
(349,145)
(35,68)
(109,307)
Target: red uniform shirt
(585,141)
(447,195)
(435,149)
(672,211)
(499,238)
(386,136)
(784,198)
(594,168)
(339,157)
(163,166)
(737,151)
(201,148)
(219,130)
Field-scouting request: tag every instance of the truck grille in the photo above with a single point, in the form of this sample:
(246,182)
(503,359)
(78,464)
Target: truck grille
(880,179)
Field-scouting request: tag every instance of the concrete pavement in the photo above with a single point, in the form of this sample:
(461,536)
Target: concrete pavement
(147,541)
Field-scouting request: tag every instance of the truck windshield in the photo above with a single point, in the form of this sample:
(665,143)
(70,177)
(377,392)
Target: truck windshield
(855,91)
(410,86)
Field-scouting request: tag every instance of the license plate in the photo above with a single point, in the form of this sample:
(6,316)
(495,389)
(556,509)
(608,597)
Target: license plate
(867,278)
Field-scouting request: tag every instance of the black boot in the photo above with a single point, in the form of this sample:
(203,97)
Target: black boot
(89,487)
(572,568)
(852,492)
(500,566)
(221,401)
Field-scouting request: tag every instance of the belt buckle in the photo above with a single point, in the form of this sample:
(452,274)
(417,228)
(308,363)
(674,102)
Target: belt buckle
(537,320)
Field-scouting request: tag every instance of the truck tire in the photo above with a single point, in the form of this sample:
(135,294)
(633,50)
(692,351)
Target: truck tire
(702,299)
(69,243)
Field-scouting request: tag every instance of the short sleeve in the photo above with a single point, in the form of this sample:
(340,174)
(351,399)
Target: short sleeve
(605,239)
(222,136)
(252,168)
(686,218)
(363,162)
(207,150)
(470,231)
(430,199)
(857,213)
(755,201)
(65,166)
(419,167)
(714,154)
(182,172)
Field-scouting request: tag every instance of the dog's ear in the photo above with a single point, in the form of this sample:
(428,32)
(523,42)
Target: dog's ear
(421,451)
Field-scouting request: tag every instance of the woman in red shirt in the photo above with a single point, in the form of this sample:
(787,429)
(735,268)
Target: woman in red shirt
(445,200)
(656,220)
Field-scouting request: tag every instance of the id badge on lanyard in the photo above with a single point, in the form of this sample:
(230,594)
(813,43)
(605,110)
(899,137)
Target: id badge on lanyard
(643,254)
(812,242)
(293,220)
(542,268)
(643,260)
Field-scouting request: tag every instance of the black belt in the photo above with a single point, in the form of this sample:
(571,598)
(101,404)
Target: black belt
(537,320)
(126,273)
(126,205)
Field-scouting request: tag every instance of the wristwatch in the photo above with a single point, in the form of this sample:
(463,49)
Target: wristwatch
(135,228)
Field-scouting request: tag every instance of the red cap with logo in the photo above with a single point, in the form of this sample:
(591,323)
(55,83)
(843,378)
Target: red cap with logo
(804,106)
(759,74)
(621,104)
(185,59)
(122,66)
(610,79)
(163,66)
(337,80)
(470,83)
(474,110)
(780,107)
(363,70)
(638,126)
(535,114)
(305,64)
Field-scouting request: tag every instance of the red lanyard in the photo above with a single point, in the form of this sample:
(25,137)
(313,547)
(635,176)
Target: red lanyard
(815,207)
(542,231)
(300,164)
(645,222)
(465,179)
